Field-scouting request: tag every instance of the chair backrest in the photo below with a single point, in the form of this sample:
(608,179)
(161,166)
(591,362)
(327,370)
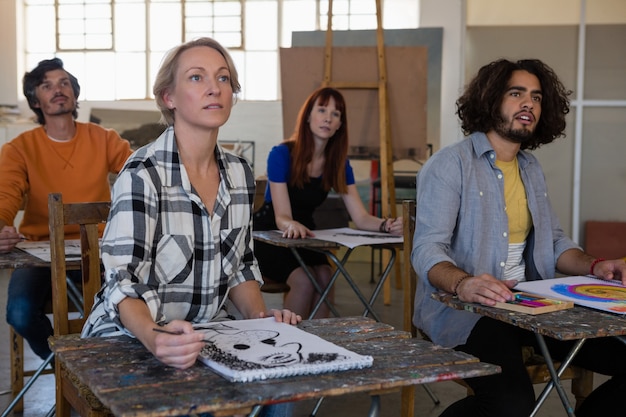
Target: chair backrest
(605,239)
(408,273)
(88,216)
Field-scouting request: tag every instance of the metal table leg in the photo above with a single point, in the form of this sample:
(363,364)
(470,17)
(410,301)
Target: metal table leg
(353,285)
(555,375)
(26,387)
(381,281)
(374,406)
(317,287)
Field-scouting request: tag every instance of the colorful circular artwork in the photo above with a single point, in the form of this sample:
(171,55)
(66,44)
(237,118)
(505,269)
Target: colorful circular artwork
(601,293)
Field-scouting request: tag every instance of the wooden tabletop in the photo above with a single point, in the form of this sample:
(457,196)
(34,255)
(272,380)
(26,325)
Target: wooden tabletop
(131,382)
(19,258)
(275,238)
(570,324)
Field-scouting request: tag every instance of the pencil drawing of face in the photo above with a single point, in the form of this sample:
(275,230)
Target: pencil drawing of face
(258,348)
(253,346)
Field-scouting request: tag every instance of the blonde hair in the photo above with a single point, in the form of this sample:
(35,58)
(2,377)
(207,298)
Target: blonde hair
(166,77)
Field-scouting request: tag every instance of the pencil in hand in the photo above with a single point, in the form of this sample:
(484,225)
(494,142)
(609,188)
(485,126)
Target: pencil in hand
(161,330)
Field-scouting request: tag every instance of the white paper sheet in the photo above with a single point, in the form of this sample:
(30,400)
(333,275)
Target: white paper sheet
(41,249)
(586,291)
(352,238)
(248,350)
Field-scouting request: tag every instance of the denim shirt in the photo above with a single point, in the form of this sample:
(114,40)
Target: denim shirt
(461,218)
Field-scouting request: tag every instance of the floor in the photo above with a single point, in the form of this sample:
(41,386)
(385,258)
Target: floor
(40,398)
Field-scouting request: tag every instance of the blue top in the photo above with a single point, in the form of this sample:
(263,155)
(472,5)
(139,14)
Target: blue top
(279,167)
(461,218)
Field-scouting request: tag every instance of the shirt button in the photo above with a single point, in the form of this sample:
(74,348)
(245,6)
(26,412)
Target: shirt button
(480,193)
(505,234)
(499,176)
(502,264)
(491,155)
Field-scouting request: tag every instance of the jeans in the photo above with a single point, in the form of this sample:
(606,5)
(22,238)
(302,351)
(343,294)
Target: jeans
(276,410)
(511,393)
(29,291)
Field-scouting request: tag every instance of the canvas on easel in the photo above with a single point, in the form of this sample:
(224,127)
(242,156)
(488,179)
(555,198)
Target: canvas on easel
(257,349)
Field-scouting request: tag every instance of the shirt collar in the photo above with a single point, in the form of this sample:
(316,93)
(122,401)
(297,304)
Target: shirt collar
(166,145)
(482,146)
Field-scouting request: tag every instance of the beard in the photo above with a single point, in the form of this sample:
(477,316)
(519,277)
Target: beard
(507,130)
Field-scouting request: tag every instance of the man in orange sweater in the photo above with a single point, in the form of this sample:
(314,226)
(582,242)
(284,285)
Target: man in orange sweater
(61,155)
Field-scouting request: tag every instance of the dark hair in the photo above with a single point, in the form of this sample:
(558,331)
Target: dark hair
(35,78)
(479,108)
(336,151)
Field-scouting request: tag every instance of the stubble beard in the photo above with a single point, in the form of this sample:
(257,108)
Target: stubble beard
(505,129)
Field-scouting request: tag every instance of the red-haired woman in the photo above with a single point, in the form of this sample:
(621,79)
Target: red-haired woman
(301,171)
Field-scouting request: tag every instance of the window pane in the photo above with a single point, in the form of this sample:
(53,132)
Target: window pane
(400,14)
(165,25)
(261,82)
(298,16)
(71,42)
(130,27)
(130,76)
(227,23)
(261,26)
(155,59)
(229,40)
(104,41)
(99,77)
(98,11)
(202,25)
(40,30)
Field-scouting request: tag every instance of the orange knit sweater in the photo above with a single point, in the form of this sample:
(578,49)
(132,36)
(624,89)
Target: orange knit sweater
(33,165)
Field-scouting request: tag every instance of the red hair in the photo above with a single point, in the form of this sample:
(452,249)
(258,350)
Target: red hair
(301,144)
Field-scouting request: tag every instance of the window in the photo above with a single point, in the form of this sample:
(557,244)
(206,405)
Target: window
(115,47)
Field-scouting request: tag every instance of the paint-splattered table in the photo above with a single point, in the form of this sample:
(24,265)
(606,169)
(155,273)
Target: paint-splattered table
(329,248)
(578,323)
(131,382)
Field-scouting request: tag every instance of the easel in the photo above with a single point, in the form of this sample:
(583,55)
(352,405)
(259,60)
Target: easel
(387,185)
(388,191)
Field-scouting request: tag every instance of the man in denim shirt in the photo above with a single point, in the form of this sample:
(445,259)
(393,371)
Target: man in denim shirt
(484,222)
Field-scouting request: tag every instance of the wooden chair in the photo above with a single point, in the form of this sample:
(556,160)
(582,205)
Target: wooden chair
(19,372)
(582,379)
(70,393)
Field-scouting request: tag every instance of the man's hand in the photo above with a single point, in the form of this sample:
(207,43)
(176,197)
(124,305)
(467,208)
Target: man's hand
(611,269)
(485,289)
(9,238)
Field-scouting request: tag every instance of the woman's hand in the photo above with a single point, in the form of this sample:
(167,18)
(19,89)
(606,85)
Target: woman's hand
(176,344)
(284,316)
(296,230)
(395,226)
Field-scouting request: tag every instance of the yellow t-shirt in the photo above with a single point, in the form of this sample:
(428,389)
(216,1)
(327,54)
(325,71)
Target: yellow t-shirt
(520,221)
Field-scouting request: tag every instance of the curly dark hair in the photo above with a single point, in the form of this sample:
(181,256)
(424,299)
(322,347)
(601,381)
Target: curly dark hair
(35,78)
(479,108)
